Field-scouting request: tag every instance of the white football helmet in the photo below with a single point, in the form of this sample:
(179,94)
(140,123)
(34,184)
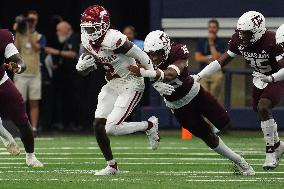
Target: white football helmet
(158,40)
(280,36)
(254,22)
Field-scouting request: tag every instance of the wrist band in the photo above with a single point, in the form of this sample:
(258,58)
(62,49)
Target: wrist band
(19,69)
(175,68)
(273,79)
(162,76)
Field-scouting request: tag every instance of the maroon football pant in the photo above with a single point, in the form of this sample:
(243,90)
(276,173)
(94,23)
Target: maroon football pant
(12,104)
(191,116)
(12,107)
(274,92)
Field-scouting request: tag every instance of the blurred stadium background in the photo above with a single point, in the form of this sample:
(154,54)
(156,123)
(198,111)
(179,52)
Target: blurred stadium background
(186,22)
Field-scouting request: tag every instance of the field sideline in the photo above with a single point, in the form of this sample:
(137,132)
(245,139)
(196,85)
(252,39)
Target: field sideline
(70,162)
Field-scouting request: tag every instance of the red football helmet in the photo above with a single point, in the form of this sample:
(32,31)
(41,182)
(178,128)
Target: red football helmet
(95,22)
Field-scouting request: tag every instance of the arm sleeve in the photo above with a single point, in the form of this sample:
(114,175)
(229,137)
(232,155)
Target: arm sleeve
(10,50)
(279,76)
(210,69)
(136,53)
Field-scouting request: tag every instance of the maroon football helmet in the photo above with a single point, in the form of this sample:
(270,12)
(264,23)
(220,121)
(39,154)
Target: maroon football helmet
(95,22)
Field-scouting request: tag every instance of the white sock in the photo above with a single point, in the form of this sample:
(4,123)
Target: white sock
(126,128)
(268,132)
(30,155)
(6,137)
(111,162)
(276,137)
(225,151)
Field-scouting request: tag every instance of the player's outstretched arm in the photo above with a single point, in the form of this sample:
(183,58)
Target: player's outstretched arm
(131,50)
(214,66)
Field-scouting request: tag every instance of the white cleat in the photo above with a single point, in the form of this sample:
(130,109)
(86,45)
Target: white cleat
(109,170)
(279,153)
(13,148)
(153,134)
(243,168)
(34,162)
(270,161)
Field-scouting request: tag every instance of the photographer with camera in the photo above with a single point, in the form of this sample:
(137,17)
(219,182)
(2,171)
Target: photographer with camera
(29,43)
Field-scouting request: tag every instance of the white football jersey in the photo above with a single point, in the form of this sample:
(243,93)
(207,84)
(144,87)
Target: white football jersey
(115,63)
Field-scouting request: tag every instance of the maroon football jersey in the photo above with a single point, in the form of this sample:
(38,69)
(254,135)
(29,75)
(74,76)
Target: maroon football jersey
(184,81)
(262,56)
(6,38)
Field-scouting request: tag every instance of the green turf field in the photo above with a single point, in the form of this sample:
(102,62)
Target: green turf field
(70,162)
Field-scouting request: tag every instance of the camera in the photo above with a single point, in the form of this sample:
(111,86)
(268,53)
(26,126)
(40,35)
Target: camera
(22,23)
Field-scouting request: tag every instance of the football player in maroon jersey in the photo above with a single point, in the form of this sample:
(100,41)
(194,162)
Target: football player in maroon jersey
(258,47)
(12,104)
(190,103)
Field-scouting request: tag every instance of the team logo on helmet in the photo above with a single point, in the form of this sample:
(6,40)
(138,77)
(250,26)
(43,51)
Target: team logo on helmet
(95,22)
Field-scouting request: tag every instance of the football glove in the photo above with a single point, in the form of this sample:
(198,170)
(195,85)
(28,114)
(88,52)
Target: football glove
(85,61)
(263,78)
(163,88)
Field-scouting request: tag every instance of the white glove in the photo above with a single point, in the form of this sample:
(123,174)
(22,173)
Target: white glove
(85,62)
(262,77)
(163,88)
(196,77)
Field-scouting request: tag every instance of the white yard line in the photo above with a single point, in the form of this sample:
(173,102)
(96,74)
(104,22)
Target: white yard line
(265,180)
(214,172)
(139,153)
(148,172)
(260,180)
(129,163)
(137,148)
(136,158)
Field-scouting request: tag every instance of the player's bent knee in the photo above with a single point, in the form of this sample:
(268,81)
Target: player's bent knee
(99,124)
(111,129)
(210,139)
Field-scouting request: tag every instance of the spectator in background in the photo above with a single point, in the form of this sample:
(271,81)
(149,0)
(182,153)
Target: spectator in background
(208,50)
(130,32)
(66,80)
(29,42)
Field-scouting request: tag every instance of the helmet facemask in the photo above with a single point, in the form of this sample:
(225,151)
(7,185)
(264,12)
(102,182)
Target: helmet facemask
(247,37)
(158,57)
(94,31)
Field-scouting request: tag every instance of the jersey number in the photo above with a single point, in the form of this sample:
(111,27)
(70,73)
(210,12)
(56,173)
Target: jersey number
(260,65)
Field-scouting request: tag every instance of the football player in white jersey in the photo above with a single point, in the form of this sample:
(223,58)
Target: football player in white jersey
(111,49)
